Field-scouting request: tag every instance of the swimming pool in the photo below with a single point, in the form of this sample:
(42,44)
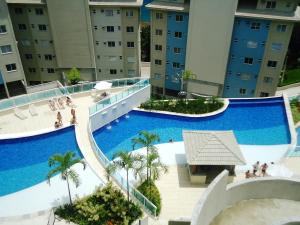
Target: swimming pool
(24,161)
(254,122)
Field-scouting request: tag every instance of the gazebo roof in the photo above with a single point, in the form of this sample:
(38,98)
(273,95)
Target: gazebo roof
(212,148)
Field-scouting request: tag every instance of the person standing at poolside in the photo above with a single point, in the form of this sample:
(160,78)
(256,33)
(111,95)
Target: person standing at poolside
(59,118)
(73,113)
(256,167)
(264,169)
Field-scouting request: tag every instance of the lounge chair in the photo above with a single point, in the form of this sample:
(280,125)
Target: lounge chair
(19,114)
(32,110)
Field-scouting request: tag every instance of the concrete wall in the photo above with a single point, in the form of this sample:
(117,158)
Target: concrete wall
(220,196)
(209,36)
(281,5)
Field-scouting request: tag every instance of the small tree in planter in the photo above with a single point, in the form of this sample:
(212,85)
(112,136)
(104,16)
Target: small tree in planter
(73,76)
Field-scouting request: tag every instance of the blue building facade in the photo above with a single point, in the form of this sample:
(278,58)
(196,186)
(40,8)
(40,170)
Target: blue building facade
(247,49)
(177,28)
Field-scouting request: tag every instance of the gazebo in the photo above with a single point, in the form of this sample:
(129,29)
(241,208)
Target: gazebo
(210,152)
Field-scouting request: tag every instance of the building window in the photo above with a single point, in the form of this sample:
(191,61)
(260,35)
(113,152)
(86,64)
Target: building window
(22,26)
(268,80)
(179,18)
(11,67)
(130,44)
(94,11)
(178,34)
(42,27)
(109,12)
(32,70)
(157,62)
(50,70)
(129,13)
(119,27)
(48,57)
(158,32)
(118,11)
(129,29)
(111,44)
(245,76)
(158,47)
(110,29)
(281,28)
(177,50)
(28,56)
(5,49)
(176,65)
(113,71)
(264,94)
(157,76)
(25,43)
(39,11)
(248,60)
(243,91)
(255,26)
(271,5)
(276,46)
(251,44)
(272,64)
(3,29)
(158,16)
(18,11)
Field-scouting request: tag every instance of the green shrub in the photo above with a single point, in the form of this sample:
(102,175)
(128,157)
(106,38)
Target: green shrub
(153,195)
(73,76)
(105,206)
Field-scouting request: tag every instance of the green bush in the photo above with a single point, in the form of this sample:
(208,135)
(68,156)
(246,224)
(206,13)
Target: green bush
(73,76)
(153,195)
(105,206)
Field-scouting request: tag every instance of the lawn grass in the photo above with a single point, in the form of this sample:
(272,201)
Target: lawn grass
(296,114)
(291,76)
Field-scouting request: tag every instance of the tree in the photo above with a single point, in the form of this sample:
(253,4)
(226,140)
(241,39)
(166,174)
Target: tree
(110,169)
(147,140)
(73,76)
(185,76)
(62,164)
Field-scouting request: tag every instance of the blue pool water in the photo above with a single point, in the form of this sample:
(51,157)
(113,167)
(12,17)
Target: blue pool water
(254,122)
(24,161)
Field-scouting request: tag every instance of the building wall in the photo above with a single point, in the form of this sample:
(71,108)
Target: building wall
(281,5)
(246,43)
(8,38)
(172,80)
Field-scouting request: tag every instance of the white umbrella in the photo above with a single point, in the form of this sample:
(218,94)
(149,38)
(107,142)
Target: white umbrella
(279,171)
(103,85)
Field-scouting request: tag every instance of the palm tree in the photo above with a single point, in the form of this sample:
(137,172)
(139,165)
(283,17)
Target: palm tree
(146,139)
(110,169)
(63,164)
(126,160)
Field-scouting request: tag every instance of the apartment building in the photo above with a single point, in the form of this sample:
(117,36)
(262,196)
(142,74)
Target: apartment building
(234,48)
(12,80)
(101,38)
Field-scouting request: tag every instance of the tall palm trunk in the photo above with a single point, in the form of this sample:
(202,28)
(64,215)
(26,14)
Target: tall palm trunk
(127,185)
(149,183)
(69,190)
(147,165)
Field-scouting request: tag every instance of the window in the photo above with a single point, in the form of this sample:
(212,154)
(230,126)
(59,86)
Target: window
(248,60)
(118,11)
(94,11)
(111,44)
(255,26)
(11,67)
(276,46)
(109,12)
(48,57)
(281,28)
(50,70)
(176,65)
(264,94)
(268,80)
(18,11)
(113,71)
(5,49)
(157,62)
(129,29)
(177,50)
(25,43)
(129,13)
(272,64)
(158,32)
(251,44)
(112,58)
(32,70)
(179,18)
(22,26)
(3,29)
(243,91)
(178,34)
(28,56)
(271,5)
(95,27)
(130,44)
(157,76)
(39,11)
(131,73)
(158,16)
(119,27)
(110,29)
(131,59)
(158,47)
(42,27)
(245,76)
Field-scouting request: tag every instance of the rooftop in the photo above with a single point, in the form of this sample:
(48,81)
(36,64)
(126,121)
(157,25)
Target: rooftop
(168,6)
(120,3)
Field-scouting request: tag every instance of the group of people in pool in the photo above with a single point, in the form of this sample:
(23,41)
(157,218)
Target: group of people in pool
(257,168)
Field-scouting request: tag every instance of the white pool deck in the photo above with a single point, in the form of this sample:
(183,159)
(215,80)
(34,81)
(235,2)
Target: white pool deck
(178,195)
